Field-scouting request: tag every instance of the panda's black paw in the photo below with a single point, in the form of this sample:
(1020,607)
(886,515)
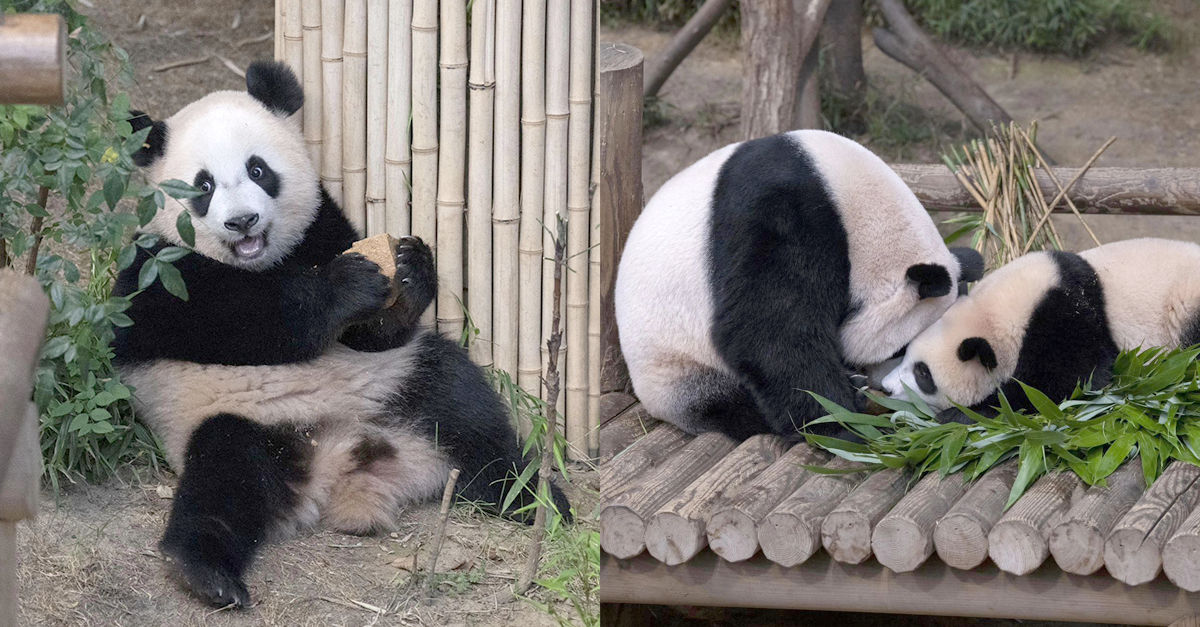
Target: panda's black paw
(360,289)
(415,273)
(209,583)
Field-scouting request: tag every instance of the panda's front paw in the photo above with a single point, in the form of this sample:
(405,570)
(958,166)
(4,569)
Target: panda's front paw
(208,582)
(360,290)
(415,274)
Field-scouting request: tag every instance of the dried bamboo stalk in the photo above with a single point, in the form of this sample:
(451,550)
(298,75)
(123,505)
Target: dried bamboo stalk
(332,21)
(375,193)
(452,156)
(594,330)
(278,30)
(424,129)
(506,173)
(531,338)
(293,37)
(554,205)
(397,157)
(312,80)
(482,83)
(354,114)
(578,205)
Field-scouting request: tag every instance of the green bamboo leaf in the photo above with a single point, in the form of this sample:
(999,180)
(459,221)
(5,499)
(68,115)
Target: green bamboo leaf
(1030,467)
(1042,403)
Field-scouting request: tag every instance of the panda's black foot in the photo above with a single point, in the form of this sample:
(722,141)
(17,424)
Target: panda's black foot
(209,583)
(415,273)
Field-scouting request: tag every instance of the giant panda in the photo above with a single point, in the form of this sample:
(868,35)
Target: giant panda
(764,270)
(1053,320)
(281,389)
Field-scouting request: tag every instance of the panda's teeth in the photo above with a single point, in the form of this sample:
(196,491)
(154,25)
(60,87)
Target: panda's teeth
(249,247)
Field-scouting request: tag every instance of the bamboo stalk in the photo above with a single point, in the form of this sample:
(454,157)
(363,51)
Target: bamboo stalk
(505,211)
(451,166)
(278,30)
(397,157)
(594,331)
(424,129)
(354,114)
(535,288)
(377,121)
(482,84)
(332,20)
(312,80)
(578,204)
(554,205)
(293,37)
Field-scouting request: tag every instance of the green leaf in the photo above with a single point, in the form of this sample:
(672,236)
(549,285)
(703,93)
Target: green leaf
(171,254)
(148,273)
(1042,403)
(176,188)
(172,280)
(1030,467)
(114,189)
(183,224)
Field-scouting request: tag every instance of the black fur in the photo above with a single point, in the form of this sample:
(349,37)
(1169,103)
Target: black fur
(200,203)
(238,480)
(973,347)
(156,141)
(932,279)
(1191,334)
(780,278)
(267,179)
(396,325)
(275,85)
(970,267)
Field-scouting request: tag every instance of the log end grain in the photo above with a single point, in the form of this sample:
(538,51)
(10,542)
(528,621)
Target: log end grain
(1181,562)
(787,540)
(900,544)
(381,249)
(846,536)
(732,535)
(673,539)
(1077,547)
(1129,559)
(622,532)
(960,541)
(1016,547)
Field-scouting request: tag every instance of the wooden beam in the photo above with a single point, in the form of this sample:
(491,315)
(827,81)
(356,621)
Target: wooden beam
(8,574)
(1019,543)
(1077,543)
(33,58)
(1124,191)
(1133,551)
(933,589)
(619,197)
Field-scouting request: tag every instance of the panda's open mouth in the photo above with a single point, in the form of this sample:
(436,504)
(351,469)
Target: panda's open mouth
(249,248)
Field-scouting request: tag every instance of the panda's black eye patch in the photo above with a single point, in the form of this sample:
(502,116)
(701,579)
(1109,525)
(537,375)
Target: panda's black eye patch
(924,378)
(263,175)
(205,183)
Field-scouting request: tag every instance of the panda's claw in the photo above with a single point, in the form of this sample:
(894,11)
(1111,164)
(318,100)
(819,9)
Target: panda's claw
(213,586)
(414,271)
(361,289)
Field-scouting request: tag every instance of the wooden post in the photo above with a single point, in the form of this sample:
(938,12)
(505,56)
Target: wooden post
(619,196)
(846,531)
(961,536)
(33,59)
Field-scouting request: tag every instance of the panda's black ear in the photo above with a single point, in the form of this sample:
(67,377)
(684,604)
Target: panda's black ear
(275,85)
(970,266)
(156,141)
(932,280)
(973,347)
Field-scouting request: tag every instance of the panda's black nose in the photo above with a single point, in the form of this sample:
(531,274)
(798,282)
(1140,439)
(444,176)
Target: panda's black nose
(242,223)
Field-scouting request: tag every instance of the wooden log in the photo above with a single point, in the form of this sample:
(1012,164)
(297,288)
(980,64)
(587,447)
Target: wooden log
(619,192)
(905,42)
(791,533)
(623,519)
(1124,191)
(1188,621)
(846,531)
(682,44)
(842,33)
(33,49)
(1018,543)
(961,536)
(629,466)
(903,540)
(23,311)
(19,484)
(1077,543)
(616,435)
(1181,556)
(675,532)
(731,529)
(1133,551)
(8,574)
(776,38)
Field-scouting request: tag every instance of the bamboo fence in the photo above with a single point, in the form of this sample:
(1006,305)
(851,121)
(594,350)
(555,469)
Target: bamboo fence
(468,124)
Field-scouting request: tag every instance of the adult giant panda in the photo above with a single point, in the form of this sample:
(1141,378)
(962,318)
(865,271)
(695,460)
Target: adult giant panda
(1052,320)
(281,389)
(764,269)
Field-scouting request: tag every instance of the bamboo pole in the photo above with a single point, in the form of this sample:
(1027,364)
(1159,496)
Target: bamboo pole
(505,211)
(293,37)
(558,81)
(278,29)
(33,59)
(354,114)
(594,332)
(482,84)
(397,157)
(332,21)
(425,131)
(578,204)
(312,80)
(375,200)
(452,156)
(535,288)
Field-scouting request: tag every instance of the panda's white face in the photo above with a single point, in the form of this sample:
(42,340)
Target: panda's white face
(260,188)
(931,370)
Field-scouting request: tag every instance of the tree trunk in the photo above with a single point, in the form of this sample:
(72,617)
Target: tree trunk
(682,44)
(776,38)
(842,34)
(808,94)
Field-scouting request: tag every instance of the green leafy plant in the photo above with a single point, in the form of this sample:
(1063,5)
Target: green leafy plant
(1150,409)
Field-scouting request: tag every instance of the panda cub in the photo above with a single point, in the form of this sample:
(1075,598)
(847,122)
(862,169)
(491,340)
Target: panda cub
(283,392)
(764,270)
(1053,320)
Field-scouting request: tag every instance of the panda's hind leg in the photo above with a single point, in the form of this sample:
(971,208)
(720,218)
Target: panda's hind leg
(239,480)
(708,400)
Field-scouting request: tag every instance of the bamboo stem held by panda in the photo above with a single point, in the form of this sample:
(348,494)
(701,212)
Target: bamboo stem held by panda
(846,531)
(579,148)
(451,167)
(425,130)
(553,382)
(375,186)
(354,114)
(791,532)
(312,80)
(397,157)
(1018,542)
(440,536)
(903,540)
(1133,551)
(32,59)
(506,172)
(482,84)
(961,536)
(293,37)
(554,203)
(332,32)
(535,293)
(1077,543)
